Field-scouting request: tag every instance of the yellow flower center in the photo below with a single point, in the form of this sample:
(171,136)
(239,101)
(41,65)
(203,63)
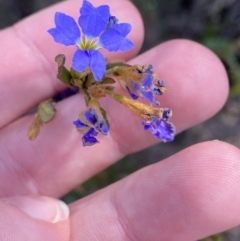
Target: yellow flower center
(85,43)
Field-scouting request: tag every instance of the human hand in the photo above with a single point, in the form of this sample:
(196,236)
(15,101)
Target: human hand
(190,195)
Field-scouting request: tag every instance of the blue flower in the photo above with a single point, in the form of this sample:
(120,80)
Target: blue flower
(98,30)
(92,124)
(161,128)
(148,88)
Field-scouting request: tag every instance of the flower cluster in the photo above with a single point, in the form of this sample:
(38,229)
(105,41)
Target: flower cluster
(91,124)
(92,75)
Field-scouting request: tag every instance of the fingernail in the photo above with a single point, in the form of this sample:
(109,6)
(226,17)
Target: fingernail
(40,207)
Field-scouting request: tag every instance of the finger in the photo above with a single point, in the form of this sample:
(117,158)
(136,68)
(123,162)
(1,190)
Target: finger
(186,67)
(34,218)
(28,69)
(186,197)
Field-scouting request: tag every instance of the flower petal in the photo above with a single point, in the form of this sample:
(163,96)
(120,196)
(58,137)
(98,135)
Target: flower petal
(93,20)
(133,95)
(135,86)
(148,81)
(102,127)
(112,21)
(81,60)
(148,95)
(79,124)
(112,40)
(123,28)
(165,130)
(66,31)
(91,116)
(146,125)
(97,64)
(126,45)
(89,138)
(161,129)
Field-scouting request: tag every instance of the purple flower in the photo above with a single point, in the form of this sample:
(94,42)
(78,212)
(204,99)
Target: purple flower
(92,124)
(98,30)
(161,128)
(148,88)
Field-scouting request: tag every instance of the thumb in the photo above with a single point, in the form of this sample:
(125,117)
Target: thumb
(33,218)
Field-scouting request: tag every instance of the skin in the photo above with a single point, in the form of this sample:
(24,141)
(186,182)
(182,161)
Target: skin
(188,196)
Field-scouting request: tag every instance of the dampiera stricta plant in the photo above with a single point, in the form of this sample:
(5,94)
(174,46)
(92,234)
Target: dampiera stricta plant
(94,76)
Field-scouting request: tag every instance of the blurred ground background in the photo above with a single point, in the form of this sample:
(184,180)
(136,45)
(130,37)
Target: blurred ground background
(214,23)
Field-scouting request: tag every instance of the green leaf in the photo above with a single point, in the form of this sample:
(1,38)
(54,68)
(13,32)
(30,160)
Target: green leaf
(64,75)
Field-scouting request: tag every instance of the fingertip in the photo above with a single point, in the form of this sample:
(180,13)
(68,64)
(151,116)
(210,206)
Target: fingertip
(40,207)
(33,218)
(203,78)
(206,179)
